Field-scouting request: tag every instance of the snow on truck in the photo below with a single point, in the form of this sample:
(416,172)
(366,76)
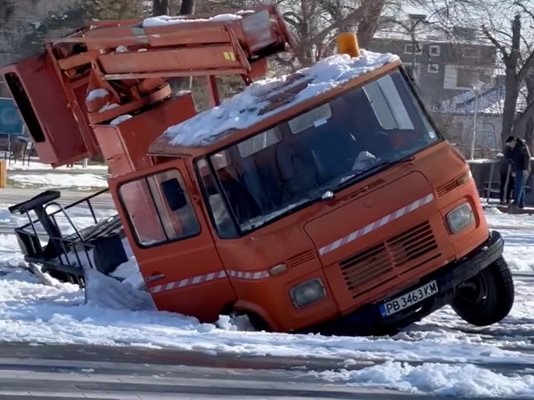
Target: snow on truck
(325,200)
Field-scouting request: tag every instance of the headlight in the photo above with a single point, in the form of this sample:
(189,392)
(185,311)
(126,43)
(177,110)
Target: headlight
(460,218)
(307,293)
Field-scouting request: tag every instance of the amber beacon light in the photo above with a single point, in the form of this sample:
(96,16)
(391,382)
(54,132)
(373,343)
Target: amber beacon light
(347,43)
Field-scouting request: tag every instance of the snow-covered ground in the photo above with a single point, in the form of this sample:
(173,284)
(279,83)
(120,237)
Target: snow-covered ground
(440,355)
(59,180)
(35,174)
(38,166)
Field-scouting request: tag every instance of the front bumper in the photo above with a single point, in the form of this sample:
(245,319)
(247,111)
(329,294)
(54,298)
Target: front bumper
(368,319)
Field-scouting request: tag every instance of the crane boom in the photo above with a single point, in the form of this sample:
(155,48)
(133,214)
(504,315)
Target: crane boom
(112,68)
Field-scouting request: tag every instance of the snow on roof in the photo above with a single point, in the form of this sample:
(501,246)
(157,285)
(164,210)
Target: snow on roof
(429,33)
(163,20)
(262,99)
(490,101)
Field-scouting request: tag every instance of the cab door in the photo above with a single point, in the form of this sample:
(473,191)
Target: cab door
(172,242)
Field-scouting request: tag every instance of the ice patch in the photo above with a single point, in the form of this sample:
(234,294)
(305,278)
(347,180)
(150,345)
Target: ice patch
(249,106)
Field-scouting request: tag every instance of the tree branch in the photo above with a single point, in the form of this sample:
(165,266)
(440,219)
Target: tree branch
(495,42)
(293,19)
(527,66)
(525,9)
(351,18)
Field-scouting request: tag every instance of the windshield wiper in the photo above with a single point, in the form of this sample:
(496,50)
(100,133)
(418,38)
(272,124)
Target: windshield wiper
(346,180)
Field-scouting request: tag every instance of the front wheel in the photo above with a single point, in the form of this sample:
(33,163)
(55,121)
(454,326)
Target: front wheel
(487,297)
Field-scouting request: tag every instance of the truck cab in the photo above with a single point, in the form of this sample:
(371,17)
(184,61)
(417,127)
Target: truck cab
(325,200)
(309,207)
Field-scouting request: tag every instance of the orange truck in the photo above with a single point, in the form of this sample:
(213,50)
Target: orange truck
(325,200)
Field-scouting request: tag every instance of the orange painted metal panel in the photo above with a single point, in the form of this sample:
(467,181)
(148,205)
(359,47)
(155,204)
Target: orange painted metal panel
(125,145)
(52,120)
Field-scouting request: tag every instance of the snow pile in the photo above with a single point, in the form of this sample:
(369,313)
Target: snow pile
(5,216)
(121,49)
(96,94)
(518,233)
(10,256)
(250,106)
(438,379)
(60,181)
(490,101)
(163,20)
(107,292)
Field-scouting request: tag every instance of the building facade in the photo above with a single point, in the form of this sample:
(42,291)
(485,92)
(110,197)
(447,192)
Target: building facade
(442,67)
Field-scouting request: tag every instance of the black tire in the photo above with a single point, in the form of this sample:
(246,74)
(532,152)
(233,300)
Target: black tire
(488,297)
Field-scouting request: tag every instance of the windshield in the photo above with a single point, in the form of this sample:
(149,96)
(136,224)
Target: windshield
(319,151)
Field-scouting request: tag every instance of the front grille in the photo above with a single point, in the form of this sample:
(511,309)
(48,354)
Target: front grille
(385,261)
(412,244)
(369,266)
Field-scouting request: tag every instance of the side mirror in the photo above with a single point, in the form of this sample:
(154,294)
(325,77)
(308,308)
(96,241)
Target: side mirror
(174,194)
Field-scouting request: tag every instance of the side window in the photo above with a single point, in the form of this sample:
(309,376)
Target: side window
(387,104)
(159,208)
(221,217)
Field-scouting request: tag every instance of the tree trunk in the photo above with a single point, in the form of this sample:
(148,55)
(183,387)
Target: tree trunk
(160,7)
(512,80)
(510,103)
(369,23)
(7,8)
(529,130)
(188,7)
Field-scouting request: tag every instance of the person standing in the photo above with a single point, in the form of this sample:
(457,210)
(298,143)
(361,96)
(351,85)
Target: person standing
(520,156)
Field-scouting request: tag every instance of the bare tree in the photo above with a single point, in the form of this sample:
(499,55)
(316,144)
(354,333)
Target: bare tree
(527,117)
(501,24)
(187,7)
(318,22)
(166,7)
(7,8)
(315,23)
(517,67)
(160,7)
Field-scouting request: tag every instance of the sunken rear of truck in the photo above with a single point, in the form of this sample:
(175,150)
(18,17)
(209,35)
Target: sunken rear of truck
(325,201)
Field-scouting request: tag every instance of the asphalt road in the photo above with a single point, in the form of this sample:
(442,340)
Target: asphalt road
(59,372)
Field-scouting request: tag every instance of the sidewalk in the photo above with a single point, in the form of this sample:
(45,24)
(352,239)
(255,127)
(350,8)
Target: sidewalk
(41,176)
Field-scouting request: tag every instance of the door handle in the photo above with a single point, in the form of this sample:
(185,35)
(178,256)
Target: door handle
(156,276)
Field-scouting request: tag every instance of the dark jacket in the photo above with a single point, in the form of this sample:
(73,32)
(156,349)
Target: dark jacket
(506,160)
(521,156)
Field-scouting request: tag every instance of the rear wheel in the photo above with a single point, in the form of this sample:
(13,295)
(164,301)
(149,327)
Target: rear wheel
(487,297)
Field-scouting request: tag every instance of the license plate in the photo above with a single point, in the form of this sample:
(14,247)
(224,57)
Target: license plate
(408,299)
